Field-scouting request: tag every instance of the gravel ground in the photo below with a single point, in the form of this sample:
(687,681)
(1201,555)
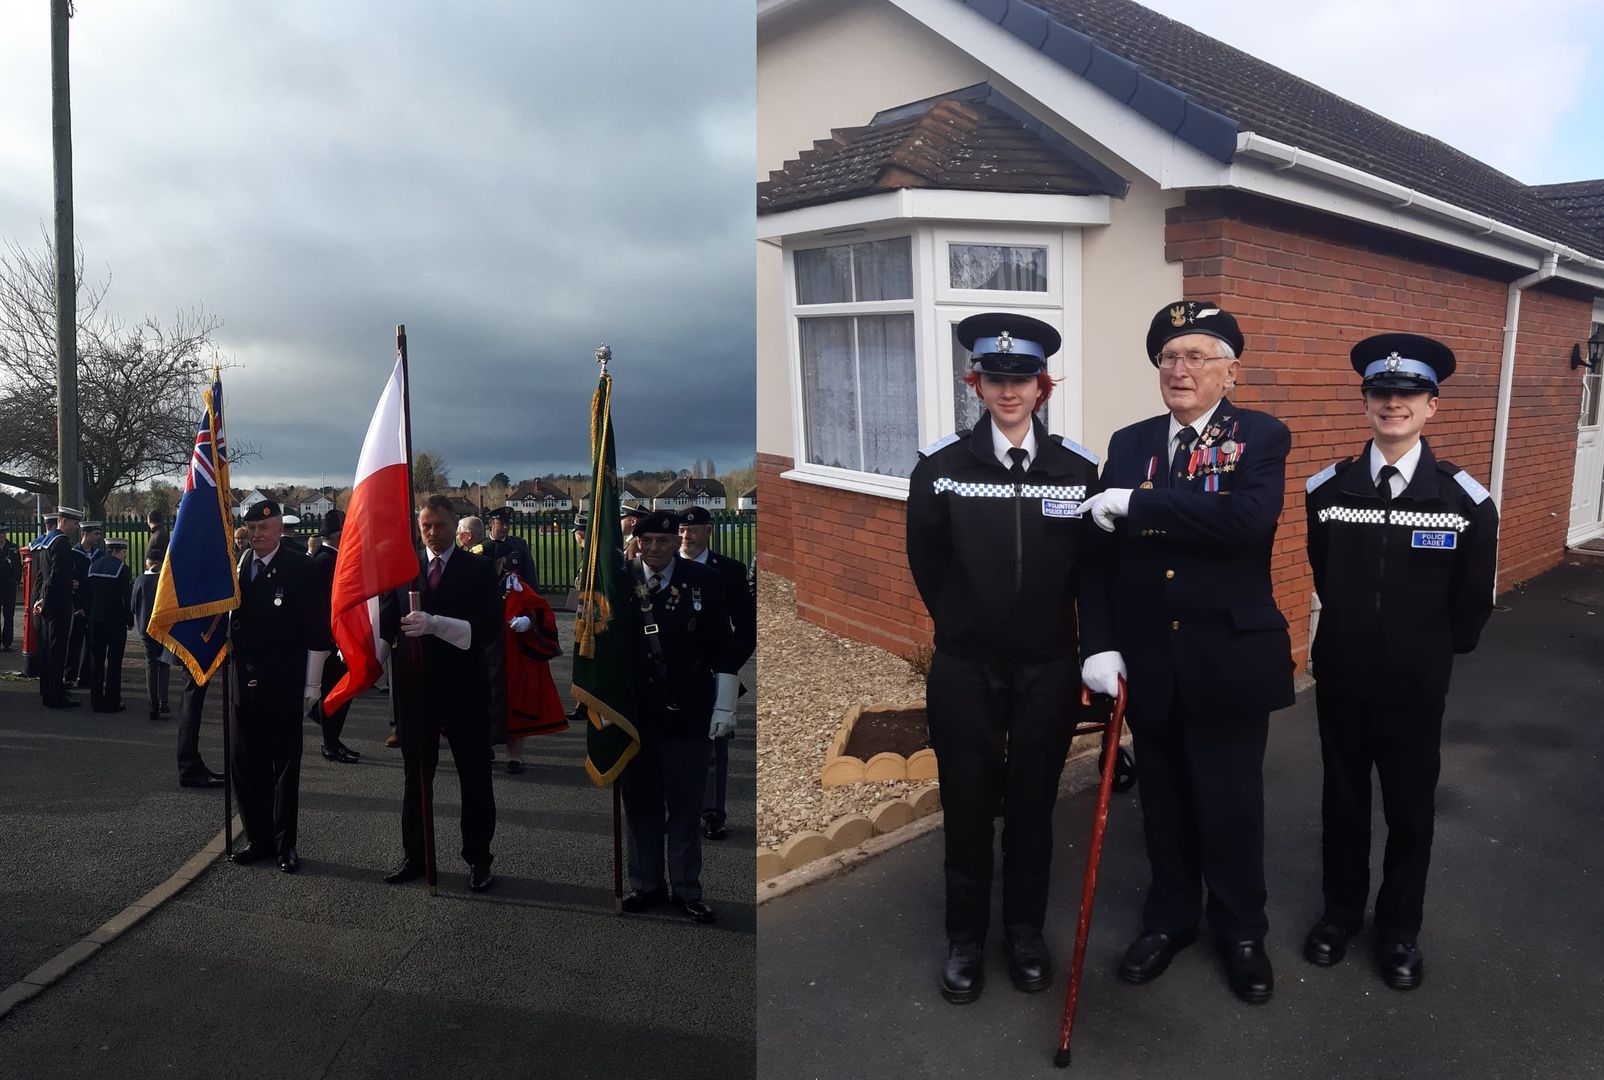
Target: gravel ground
(807,680)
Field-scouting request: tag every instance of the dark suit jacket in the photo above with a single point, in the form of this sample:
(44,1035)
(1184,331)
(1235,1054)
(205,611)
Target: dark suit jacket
(278,621)
(697,644)
(57,572)
(456,682)
(1182,588)
(739,603)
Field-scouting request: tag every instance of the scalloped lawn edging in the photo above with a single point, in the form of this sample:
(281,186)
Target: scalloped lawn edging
(841,768)
(846,833)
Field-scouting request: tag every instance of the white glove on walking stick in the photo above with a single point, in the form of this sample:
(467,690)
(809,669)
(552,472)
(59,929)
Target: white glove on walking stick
(1102,672)
(729,687)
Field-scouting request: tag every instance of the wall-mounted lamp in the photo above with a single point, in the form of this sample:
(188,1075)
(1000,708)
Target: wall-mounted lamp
(1595,351)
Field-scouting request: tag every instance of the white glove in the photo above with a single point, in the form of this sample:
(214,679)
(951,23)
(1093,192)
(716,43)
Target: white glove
(723,725)
(520,624)
(417,624)
(1102,672)
(1108,506)
(314,676)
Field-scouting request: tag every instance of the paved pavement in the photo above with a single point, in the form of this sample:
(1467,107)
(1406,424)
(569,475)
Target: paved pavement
(1514,951)
(330,972)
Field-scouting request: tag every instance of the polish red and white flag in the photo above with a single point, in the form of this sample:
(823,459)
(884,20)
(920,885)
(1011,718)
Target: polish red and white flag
(376,553)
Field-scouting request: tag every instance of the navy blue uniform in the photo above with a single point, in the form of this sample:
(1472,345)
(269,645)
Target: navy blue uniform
(996,559)
(108,604)
(1183,593)
(741,603)
(1403,585)
(55,566)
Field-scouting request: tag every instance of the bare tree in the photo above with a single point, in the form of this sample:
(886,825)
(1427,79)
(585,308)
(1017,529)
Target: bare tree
(139,384)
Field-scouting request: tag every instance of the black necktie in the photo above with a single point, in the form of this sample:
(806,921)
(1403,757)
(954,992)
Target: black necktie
(1183,454)
(657,582)
(1384,482)
(1017,454)
(257,566)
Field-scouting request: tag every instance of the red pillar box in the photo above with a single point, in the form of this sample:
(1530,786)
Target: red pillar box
(30,636)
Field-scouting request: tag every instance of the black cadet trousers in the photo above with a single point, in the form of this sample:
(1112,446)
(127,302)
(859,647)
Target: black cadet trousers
(105,643)
(1201,781)
(1402,742)
(334,670)
(54,629)
(1000,733)
(661,789)
(191,703)
(8,601)
(267,762)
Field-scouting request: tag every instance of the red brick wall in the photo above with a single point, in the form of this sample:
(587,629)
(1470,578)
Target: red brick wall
(1306,288)
(847,554)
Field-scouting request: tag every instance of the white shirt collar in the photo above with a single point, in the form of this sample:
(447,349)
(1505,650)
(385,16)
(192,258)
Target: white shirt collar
(444,556)
(702,558)
(1000,445)
(1198,425)
(667,572)
(1405,466)
(267,560)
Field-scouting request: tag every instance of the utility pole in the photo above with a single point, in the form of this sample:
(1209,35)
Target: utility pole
(69,483)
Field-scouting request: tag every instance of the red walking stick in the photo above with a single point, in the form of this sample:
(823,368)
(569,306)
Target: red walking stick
(1111,732)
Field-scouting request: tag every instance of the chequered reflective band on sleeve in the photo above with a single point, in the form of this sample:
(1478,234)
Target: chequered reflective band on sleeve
(1006,491)
(1409,519)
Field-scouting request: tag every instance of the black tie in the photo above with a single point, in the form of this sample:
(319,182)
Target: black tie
(657,582)
(1183,454)
(257,566)
(1384,482)
(1017,454)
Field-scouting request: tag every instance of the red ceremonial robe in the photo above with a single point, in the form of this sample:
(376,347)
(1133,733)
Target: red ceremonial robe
(533,705)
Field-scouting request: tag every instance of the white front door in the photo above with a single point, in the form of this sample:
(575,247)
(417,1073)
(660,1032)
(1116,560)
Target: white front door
(1587,483)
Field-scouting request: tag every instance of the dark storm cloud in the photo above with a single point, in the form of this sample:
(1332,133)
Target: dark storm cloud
(514,182)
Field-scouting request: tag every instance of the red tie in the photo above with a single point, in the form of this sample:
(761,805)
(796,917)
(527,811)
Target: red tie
(434,574)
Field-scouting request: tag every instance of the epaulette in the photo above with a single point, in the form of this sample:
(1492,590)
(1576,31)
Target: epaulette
(1071,444)
(941,443)
(1323,475)
(1477,493)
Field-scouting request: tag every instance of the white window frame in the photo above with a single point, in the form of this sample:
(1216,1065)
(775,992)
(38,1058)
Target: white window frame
(934,304)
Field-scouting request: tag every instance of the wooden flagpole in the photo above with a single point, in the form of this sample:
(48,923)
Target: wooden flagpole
(414,685)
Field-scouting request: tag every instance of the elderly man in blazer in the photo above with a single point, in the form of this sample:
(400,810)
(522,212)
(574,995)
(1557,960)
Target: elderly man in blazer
(1187,518)
(447,682)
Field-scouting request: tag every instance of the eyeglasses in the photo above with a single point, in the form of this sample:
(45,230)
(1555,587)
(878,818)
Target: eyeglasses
(1192,361)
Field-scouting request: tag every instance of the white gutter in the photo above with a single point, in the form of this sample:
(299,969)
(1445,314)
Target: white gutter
(1284,156)
(1506,370)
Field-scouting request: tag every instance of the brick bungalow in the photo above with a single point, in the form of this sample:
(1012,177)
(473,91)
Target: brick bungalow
(1085,161)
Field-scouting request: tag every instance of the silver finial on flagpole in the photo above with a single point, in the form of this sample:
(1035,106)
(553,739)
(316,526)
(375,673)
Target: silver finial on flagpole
(604,353)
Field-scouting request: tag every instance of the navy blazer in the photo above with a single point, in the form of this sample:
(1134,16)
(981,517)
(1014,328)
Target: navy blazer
(1184,591)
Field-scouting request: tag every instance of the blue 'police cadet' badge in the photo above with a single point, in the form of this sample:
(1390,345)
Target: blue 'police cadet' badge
(1429,538)
(1060,508)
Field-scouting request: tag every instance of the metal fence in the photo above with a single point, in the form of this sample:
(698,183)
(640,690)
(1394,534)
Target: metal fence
(549,534)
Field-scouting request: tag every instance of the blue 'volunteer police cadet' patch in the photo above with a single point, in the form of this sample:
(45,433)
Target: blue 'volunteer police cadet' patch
(1060,508)
(1430,538)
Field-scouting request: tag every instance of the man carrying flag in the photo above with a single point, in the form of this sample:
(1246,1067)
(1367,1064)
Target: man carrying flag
(197,587)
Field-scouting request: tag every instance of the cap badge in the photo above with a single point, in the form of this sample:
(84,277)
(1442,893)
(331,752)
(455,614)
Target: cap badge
(1178,315)
(1392,362)
(1005,342)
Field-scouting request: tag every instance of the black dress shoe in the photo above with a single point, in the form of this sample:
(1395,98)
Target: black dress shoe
(479,877)
(210,780)
(248,854)
(1326,944)
(695,909)
(1151,953)
(407,871)
(963,976)
(1029,964)
(1248,967)
(514,766)
(1402,966)
(339,754)
(64,703)
(636,901)
(165,709)
(289,862)
(713,828)
(354,753)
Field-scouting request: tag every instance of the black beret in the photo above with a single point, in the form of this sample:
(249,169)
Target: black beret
(696,515)
(1402,362)
(1004,343)
(658,521)
(333,522)
(265,510)
(1191,317)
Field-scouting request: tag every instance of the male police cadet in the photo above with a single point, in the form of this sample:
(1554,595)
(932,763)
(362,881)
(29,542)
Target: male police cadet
(994,523)
(1403,548)
(55,579)
(1182,598)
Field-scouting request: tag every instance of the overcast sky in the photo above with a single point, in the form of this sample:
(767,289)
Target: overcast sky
(516,182)
(1517,85)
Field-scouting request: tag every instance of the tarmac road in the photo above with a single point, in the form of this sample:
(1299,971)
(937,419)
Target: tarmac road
(1514,951)
(329,972)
